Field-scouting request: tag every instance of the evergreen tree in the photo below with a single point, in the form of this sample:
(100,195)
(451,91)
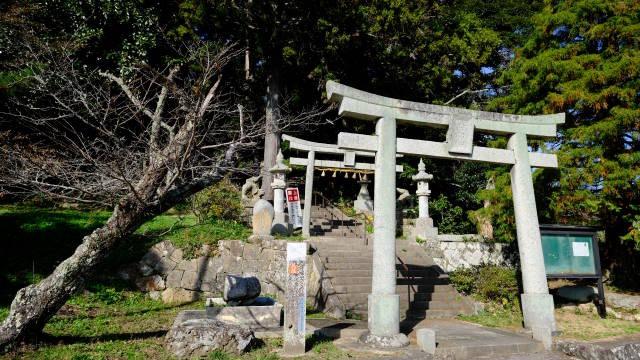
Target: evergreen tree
(583,58)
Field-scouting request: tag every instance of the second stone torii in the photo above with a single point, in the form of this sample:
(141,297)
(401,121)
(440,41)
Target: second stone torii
(348,161)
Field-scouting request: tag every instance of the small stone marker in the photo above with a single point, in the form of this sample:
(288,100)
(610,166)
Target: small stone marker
(426,340)
(262,217)
(295,311)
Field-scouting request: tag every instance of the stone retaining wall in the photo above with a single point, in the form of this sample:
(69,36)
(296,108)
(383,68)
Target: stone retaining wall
(166,274)
(459,251)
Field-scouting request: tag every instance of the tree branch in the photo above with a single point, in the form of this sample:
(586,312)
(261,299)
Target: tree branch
(136,102)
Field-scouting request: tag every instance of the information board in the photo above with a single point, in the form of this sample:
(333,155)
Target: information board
(568,254)
(571,252)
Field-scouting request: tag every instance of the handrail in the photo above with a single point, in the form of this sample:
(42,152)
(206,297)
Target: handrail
(410,277)
(332,209)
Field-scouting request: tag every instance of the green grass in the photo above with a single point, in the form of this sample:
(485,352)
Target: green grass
(4,311)
(108,320)
(185,232)
(572,324)
(35,240)
(496,316)
(325,348)
(314,313)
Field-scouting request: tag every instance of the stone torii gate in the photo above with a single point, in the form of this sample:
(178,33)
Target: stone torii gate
(348,162)
(383,302)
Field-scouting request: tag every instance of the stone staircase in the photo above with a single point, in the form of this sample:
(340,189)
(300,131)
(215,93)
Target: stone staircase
(424,292)
(329,221)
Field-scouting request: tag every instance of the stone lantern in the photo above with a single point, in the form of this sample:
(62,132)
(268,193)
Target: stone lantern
(424,224)
(278,184)
(363,203)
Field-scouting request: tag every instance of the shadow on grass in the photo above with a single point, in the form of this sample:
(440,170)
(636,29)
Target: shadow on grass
(45,338)
(34,241)
(316,340)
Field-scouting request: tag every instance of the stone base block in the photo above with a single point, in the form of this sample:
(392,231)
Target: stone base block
(258,239)
(537,311)
(253,317)
(364,206)
(293,349)
(544,335)
(280,225)
(193,335)
(384,342)
(426,340)
(384,314)
(424,229)
(425,222)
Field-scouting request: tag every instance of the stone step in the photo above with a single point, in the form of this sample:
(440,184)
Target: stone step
(368,272)
(331,241)
(438,305)
(358,280)
(406,297)
(349,252)
(349,273)
(421,281)
(347,266)
(416,315)
(344,234)
(349,260)
(366,288)
(417,305)
(434,314)
(349,244)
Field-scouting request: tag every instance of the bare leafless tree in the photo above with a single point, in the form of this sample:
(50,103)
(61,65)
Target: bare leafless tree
(139,144)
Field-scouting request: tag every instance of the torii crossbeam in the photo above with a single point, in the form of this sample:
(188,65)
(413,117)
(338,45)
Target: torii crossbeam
(383,306)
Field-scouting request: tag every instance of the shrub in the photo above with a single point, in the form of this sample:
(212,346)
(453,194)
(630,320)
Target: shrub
(487,282)
(221,201)
(498,284)
(465,280)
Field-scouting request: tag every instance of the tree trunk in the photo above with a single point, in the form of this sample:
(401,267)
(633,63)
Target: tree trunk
(272,132)
(485,228)
(35,304)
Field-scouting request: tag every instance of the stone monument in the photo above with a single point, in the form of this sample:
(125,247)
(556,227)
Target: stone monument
(262,218)
(295,309)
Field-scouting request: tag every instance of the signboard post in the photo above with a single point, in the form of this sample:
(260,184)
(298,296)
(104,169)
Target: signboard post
(571,252)
(293,205)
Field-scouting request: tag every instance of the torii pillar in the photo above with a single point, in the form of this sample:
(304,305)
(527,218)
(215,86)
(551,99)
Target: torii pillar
(537,303)
(383,302)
